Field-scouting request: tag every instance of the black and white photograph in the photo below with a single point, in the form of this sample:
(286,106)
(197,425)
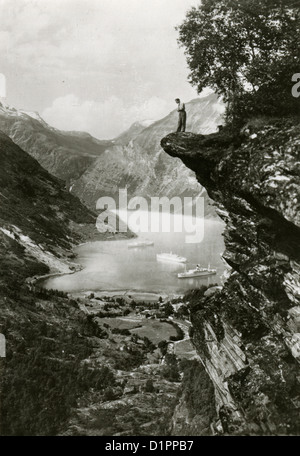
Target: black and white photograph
(150,221)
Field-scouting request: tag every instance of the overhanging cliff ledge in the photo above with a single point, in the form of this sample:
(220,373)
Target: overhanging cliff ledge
(248,334)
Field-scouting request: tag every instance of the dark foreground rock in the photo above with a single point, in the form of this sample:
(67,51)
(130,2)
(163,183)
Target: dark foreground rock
(248,334)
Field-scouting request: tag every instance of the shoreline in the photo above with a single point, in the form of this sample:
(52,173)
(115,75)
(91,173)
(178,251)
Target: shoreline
(109,239)
(73,267)
(69,268)
(135,295)
(39,279)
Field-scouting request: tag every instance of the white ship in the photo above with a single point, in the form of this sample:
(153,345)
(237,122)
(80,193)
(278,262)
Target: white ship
(137,244)
(197,272)
(170,257)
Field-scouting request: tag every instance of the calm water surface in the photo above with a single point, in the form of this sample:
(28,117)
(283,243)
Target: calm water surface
(111,265)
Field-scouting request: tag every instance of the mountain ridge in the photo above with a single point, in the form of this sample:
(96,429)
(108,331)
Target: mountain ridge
(93,168)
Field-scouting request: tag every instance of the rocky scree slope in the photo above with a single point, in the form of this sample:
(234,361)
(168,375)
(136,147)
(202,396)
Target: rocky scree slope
(248,334)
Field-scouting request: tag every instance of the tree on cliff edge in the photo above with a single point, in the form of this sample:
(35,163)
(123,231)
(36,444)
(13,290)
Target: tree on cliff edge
(245,50)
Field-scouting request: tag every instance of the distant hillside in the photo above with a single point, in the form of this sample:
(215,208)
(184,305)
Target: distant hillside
(143,167)
(39,218)
(135,160)
(133,131)
(64,154)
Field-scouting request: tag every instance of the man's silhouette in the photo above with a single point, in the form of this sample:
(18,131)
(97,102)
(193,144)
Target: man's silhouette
(181,115)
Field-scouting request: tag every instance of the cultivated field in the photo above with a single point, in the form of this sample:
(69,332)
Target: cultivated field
(155,330)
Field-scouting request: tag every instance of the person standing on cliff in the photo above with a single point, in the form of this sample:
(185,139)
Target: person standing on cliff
(181,115)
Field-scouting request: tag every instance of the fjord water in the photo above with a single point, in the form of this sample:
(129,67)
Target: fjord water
(111,265)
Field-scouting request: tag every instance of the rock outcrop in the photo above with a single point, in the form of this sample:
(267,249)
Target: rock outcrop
(248,334)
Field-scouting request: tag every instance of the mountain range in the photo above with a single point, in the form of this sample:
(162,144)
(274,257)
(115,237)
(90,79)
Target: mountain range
(92,168)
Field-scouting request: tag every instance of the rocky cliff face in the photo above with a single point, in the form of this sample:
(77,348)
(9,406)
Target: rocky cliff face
(135,160)
(248,334)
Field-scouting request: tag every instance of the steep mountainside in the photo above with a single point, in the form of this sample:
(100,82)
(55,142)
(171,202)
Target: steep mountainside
(133,131)
(141,165)
(64,154)
(38,216)
(248,334)
(93,168)
(47,335)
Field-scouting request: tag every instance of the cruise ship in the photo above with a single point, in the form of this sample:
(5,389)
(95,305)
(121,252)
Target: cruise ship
(170,257)
(136,244)
(197,272)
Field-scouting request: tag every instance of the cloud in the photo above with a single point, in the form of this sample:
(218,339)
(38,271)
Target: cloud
(105,33)
(119,54)
(105,119)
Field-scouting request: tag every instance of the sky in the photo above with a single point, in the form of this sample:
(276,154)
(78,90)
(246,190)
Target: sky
(94,65)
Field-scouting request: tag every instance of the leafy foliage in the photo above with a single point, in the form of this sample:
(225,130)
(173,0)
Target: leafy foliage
(245,50)
(171,368)
(163,346)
